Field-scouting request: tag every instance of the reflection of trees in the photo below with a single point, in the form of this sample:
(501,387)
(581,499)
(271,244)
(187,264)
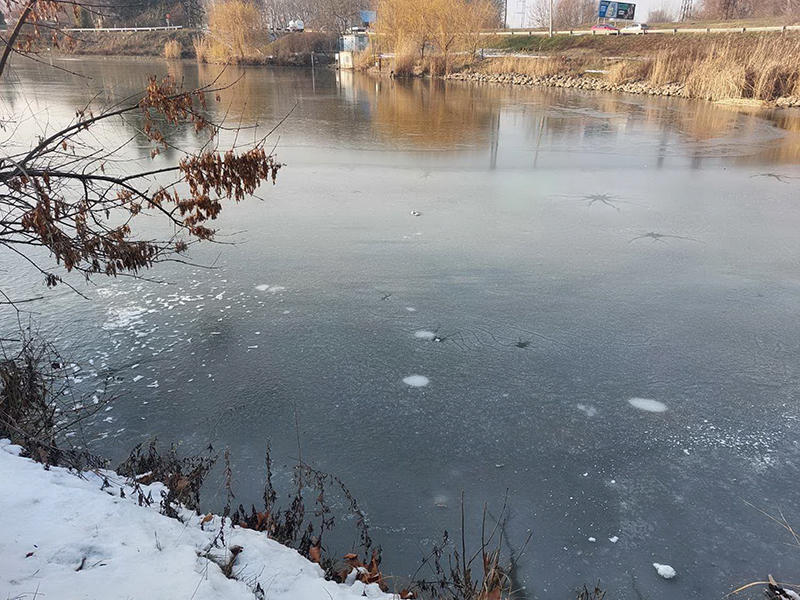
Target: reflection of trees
(428,113)
(420,113)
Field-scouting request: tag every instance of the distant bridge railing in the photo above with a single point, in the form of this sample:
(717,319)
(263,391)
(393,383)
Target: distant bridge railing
(164,28)
(673,31)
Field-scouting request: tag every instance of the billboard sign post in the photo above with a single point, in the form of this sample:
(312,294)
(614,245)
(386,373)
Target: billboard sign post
(616,10)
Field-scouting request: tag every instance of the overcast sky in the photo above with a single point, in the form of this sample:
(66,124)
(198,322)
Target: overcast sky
(642,8)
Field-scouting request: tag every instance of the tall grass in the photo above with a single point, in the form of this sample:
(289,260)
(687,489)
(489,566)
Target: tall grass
(629,71)
(763,68)
(202,48)
(405,58)
(173,49)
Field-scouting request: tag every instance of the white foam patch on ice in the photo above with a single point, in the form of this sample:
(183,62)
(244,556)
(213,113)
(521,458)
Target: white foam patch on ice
(648,405)
(122,317)
(416,380)
(587,409)
(424,335)
(665,571)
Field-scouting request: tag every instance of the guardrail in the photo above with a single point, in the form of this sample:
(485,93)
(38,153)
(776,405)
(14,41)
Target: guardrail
(164,28)
(672,31)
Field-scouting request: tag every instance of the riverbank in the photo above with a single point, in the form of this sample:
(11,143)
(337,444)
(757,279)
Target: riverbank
(748,69)
(127,43)
(595,84)
(93,536)
(294,50)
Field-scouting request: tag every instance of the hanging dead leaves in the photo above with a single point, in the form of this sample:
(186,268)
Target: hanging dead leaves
(61,195)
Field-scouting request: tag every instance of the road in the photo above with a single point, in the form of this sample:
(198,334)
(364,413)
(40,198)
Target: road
(653,31)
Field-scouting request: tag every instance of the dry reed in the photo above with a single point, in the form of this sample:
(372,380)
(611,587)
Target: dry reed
(628,71)
(173,49)
(755,68)
(202,48)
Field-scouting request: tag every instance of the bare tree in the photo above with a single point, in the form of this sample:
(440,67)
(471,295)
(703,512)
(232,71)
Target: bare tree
(79,200)
(661,14)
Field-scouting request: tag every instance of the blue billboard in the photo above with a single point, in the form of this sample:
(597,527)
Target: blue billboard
(616,10)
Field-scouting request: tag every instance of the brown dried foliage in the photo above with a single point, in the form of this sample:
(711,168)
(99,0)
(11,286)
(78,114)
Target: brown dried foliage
(58,194)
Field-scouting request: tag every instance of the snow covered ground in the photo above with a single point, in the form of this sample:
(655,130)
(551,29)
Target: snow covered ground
(64,537)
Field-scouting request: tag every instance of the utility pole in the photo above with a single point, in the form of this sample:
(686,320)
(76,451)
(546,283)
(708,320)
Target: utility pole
(686,10)
(551,18)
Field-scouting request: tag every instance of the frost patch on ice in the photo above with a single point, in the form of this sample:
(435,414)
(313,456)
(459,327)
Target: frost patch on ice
(424,335)
(137,378)
(613,539)
(121,317)
(273,289)
(648,405)
(416,380)
(665,571)
(411,309)
(587,409)
(592,539)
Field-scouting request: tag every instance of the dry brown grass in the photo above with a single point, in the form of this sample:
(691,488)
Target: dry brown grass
(173,49)
(759,68)
(363,61)
(405,59)
(532,67)
(628,71)
(202,48)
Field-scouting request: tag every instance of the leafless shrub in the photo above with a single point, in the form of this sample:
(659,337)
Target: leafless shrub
(183,477)
(452,568)
(38,409)
(300,526)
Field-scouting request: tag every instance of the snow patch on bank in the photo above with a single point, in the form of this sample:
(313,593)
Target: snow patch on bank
(64,537)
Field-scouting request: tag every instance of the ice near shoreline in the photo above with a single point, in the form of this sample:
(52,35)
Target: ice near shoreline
(65,537)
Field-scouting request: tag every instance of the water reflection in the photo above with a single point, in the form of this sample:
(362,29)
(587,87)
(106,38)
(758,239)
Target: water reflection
(489,121)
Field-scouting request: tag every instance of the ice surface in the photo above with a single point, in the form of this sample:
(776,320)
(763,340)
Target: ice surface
(648,405)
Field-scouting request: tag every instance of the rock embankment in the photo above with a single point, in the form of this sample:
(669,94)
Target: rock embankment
(570,81)
(591,83)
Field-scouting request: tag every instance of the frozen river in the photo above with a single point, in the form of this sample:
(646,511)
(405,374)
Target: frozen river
(590,300)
